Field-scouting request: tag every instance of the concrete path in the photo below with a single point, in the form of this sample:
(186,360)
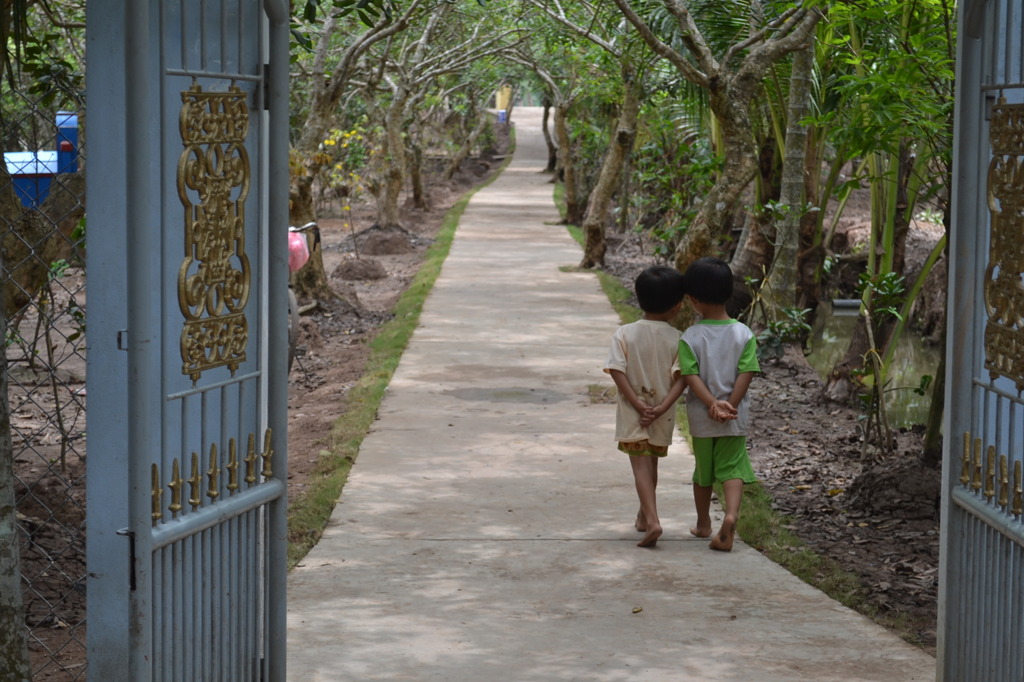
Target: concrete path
(486,530)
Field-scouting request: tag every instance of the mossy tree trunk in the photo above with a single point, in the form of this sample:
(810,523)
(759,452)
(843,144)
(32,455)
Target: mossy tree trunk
(13,652)
(624,135)
(566,164)
(732,82)
(782,278)
(548,140)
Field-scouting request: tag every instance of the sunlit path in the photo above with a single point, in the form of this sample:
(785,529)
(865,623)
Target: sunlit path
(486,531)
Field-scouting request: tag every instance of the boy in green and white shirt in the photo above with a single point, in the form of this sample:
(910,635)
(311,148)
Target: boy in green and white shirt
(718,359)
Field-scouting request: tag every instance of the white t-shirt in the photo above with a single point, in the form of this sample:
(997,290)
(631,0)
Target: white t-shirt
(717,351)
(647,352)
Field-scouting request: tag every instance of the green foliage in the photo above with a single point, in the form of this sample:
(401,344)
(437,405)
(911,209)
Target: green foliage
(775,326)
(672,171)
(790,327)
(349,155)
(51,77)
(886,293)
(370,12)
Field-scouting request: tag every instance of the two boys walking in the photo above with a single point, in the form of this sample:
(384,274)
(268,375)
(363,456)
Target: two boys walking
(652,365)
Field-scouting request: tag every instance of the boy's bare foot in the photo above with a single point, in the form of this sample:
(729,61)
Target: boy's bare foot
(698,532)
(723,540)
(641,522)
(651,538)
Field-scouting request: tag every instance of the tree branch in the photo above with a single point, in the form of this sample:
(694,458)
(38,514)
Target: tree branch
(688,70)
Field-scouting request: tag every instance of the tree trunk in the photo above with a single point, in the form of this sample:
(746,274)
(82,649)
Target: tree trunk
(394,174)
(13,652)
(701,238)
(601,198)
(34,239)
(311,281)
(753,253)
(901,220)
(419,197)
(932,450)
(573,209)
(552,148)
(467,146)
(782,278)
(811,258)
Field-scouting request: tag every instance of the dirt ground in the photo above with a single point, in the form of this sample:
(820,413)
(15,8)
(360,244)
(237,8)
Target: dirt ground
(879,520)
(807,452)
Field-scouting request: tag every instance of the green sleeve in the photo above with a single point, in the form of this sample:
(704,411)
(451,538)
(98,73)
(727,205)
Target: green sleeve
(748,359)
(687,360)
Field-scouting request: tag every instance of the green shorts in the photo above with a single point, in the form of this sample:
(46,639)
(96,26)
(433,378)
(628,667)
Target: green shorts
(721,459)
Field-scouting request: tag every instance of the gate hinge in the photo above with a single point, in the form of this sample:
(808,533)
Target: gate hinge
(122,339)
(131,556)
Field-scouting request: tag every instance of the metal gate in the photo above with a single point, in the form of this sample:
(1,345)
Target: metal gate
(981,597)
(186,266)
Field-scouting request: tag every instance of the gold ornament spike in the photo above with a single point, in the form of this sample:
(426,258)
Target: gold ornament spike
(232,466)
(195,482)
(157,493)
(1004,482)
(213,490)
(176,484)
(250,460)
(976,476)
(990,473)
(1018,491)
(268,456)
(965,461)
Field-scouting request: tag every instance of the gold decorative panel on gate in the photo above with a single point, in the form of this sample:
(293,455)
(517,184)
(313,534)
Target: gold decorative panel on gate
(213,183)
(1004,289)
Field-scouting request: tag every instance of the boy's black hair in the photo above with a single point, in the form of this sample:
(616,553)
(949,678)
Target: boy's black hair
(658,288)
(709,280)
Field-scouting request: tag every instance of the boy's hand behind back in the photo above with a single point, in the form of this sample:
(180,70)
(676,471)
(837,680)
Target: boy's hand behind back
(648,415)
(721,411)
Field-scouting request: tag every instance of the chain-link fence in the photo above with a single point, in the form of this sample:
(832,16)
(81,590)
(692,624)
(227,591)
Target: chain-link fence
(42,206)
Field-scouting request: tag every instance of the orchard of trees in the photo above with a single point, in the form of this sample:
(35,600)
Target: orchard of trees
(737,129)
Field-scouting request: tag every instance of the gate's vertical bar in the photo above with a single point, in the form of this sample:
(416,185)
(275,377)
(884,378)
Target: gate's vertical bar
(193,605)
(107,552)
(246,597)
(159,618)
(180,622)
(143,345)
(276,93)
(1016,608)
(967,214)
(245,593)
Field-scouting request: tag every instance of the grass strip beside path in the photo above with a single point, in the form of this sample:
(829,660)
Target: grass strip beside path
(308,514)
